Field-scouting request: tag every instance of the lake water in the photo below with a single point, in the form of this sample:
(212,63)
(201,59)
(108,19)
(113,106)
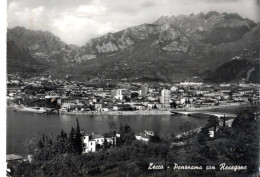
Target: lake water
(25,125)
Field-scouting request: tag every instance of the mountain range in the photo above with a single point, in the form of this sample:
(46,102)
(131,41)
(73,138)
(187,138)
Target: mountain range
(170,49)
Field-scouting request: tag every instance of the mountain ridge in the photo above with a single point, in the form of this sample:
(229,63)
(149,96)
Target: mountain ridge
(171,48)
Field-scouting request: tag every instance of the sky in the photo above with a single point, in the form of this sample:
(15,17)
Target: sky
(77,21)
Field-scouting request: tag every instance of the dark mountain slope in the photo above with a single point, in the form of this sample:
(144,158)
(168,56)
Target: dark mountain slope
(237,70)
(42,45)
(20,60)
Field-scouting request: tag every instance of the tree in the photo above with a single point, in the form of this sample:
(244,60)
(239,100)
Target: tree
(105,145)
(224,121)
(72,135)
(154,106)
(173,105)
(62,144)
(114,138)
(78,139)
(213,121)
(185,126)
(166,141)
(203,135)
(126,134)
(155,139)
(250,100)
(44,151)
(134,95)
(243,146)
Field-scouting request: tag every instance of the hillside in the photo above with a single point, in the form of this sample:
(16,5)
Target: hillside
(244,67)
(43,46)
(20,60)
(170,49)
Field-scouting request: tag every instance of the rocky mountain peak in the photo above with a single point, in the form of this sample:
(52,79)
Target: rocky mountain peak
(171,47)
(162,20)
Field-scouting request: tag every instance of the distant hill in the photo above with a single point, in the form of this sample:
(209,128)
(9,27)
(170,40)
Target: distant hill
(43,46)
(237,70)
(170,49)
(20,60)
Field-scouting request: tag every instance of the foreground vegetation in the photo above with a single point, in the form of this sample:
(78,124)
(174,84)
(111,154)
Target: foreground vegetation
(236,145)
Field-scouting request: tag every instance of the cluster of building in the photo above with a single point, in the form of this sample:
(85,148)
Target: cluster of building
(72,96)
(94,142)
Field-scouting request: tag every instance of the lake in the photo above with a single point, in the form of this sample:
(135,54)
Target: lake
(26,125)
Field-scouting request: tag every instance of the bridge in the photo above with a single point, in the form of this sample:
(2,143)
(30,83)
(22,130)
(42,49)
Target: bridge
(217,114)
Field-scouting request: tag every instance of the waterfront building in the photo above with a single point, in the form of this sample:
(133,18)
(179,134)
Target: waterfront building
(139,106)
(158,105)
(144,90)
(71,106)
(117,94)
(165,97)
(98,106)
(151,105)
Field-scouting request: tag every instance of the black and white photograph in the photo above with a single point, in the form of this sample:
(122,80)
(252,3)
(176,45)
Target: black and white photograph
(131,88)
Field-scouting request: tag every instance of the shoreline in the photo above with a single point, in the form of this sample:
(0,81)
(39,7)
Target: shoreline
(15,107)
(139,112)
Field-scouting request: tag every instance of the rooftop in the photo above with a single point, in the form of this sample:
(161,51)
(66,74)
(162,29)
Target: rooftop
(10,157)
(96,136)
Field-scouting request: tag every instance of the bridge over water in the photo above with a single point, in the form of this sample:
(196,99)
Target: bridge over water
(217,114)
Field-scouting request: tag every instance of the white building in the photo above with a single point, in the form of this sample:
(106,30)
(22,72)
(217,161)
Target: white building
(191,83)
(145,136)
(92,142)
(70,106)
(211,134)
(165,97)
(174,88)
(117,94)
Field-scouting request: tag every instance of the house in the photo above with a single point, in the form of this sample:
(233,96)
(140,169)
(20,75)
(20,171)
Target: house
(159,105)
(151,106)
(100,89)
(211,134)
(98,106)
(149,133)
(115,108)
(225,85)
(70,106)
(145,136)
(13,158)
(107,108)
(139,106)
(141,137)
(93,142)
(122,107)
(174,88)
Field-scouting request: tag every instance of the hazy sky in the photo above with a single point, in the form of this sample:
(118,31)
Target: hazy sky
(77,21)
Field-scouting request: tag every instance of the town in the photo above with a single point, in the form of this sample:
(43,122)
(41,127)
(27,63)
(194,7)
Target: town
(47,95)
